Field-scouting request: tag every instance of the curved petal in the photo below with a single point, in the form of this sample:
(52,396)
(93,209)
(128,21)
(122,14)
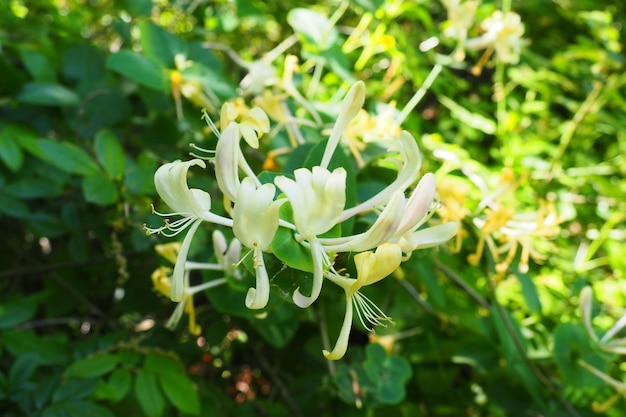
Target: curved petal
(418,205)
(257,297)
(178,276)
(226,161)
(412,162)
(344,335)
(428,237)
(318,256)
(170,181)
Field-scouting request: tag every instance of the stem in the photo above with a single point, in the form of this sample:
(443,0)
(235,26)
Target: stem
(419,94)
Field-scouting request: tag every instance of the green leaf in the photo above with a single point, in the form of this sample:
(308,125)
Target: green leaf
(92,366)
(47,94)
(10,152)
(280,325)
(86,409)
(571,345)
(139,69)
(140,180)
(47,350)
(181,392)
(84,62)
(110,153)
(75,389)
(22,369)
(13,207)
(286,248)
(67,157)
(120,381)
(159,44)
(38,66)
(529,291)
(149,394)
(99,189)
(162,364)
(33,187)
(370,5)
(17,311)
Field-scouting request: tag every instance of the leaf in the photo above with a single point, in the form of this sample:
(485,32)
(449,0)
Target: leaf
(159,44)
(140,180)
(92,366)
(75,389)
(162,364)
(100,190)
(286,248)
(571,344)
(33,187)
(86,409)
(17,311)
(47,94)
(139,69)
(38,66)
(181,392)
(83,62)
(22,369)
(110,153)
(46,349)
(149,394)
(67,157)
(10,152)
(120,381)
(13,207)
(280,325)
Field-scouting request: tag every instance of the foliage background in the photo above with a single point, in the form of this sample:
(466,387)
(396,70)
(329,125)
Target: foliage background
(88,111)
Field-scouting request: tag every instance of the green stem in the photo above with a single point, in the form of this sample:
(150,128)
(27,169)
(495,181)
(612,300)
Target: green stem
(419,94)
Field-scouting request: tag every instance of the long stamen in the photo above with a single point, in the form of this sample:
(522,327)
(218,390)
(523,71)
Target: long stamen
(370,312)
(207,119)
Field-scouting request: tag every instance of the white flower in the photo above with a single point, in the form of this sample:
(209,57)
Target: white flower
(193,205)
(255,222)
(503,32)
(317,198)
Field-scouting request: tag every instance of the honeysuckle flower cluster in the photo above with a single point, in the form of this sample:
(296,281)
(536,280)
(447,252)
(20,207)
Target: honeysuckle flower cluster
(317,200)
(502,32)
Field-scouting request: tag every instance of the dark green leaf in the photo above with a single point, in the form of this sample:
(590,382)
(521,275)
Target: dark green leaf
(110,153)
(12,206)
(83,62)
(75,389)
(280,325)
(22,369)
(67,157)
(47,94)
(99,189)
(162,364)
(139,69)
(149,394)
(86,409)
(10,152)
(17,311)
(180,391)
(92,366)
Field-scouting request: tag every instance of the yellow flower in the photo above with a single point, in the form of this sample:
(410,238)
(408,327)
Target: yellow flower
(371,267)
